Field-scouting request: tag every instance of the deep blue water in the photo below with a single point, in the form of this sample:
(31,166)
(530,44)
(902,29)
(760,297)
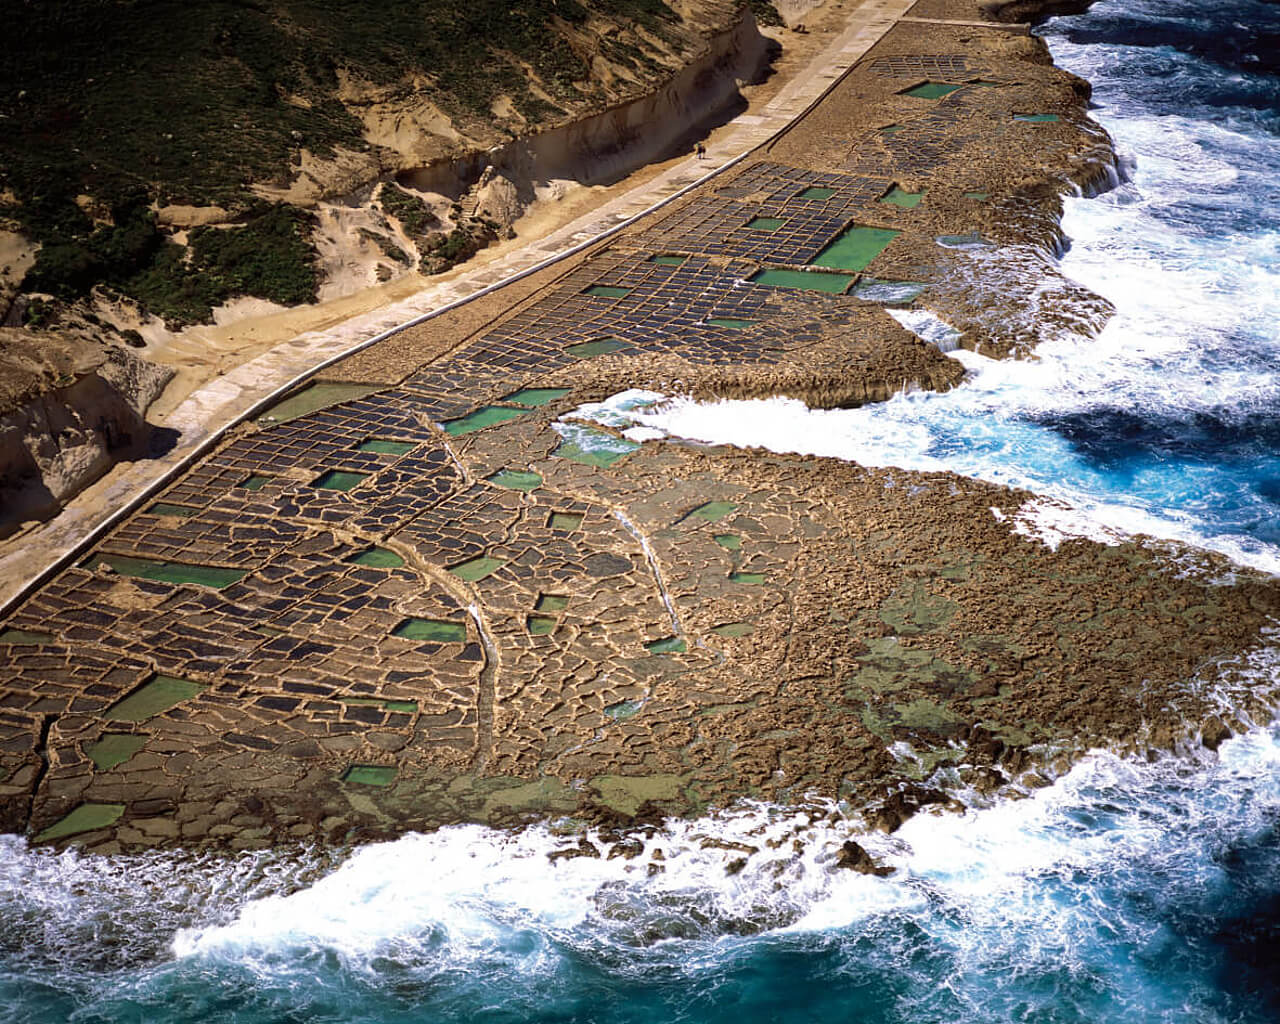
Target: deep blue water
(1140,892)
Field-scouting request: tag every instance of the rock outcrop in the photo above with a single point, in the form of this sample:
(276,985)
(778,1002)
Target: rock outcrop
(69,409)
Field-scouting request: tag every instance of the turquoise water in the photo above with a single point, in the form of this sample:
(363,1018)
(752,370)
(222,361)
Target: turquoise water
(1135,892)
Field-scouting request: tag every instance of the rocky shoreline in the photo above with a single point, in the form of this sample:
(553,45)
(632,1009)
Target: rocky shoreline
(415,594)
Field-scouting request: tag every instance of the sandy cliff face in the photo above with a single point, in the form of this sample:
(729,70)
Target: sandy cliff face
(69,409)
(480,177)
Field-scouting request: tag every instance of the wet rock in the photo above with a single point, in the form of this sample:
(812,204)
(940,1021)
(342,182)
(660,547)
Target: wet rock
(585,848)
(629,849)
(853,857)
(1214,733)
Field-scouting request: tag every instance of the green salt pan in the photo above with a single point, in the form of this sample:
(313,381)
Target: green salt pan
(1037,118)
(156,695)
(729,541)
(515,480)
(808,280)
(668,261)
(734,629)
(85,818)
(339,480)
(592,447)
(541,625)
(409,706)
(751,578)
(855,248)
(315,397)
(378,558)
(713,510)
(23,637)
(907,200)
(163,508)
(551,603)
(386,447)
(476,569)
(565,520)
(255,482)
(599,347)
(607,291)
(435,630)
(979,196)
(370,774)
(536,396)
(816,192)
(623,710)
(892,129)
(669,645)
(931,90)
(489,416)
(765,224)
(171,572)
(113,748)
(729,322)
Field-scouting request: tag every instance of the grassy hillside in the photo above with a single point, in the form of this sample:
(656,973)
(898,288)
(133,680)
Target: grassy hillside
(109,106)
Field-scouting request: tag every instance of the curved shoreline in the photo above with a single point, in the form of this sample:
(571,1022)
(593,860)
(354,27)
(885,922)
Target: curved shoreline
(825,614)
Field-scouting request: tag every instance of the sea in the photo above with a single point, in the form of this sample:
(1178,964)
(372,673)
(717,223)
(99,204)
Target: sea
(1134,890)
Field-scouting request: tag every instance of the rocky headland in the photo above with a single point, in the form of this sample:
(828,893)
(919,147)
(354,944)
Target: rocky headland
(418,591)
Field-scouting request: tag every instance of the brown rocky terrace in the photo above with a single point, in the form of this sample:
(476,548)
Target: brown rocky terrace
(404,598)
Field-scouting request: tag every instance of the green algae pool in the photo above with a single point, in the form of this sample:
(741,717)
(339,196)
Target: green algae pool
(475,569)
(489,416)
(370,774)
(164,508)
(731,323)
(729,541)
(855,248)
(765,223)
(814,281)
(339,480)
(598,347)
(898,196)
(377,558)
(1037,118)
(931,90)
(255,481)
(314,397)
(85,818)
(667,645)
(23,637)
(749,578)
(540,625)
(403,706)
(817,192)
(551,603)
(668,260)
(436,630)
(114,748)
(214,576)
(565,521)
(535,397)
(712,511)
(607,291)
(516,480)
(734,630)
(381,447)
(157,695)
